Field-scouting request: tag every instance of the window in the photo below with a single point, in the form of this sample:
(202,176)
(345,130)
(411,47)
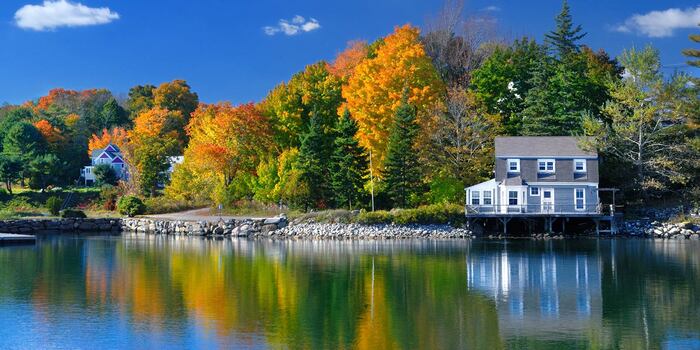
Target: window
(475,197)
(512,197)
(487,198)
(545,165)
(580,198)
(513,165)
(534,191)
(580,165)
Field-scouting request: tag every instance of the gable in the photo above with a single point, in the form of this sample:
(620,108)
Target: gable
(111,148)
(118,160)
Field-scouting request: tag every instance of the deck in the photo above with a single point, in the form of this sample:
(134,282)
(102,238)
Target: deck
(605,220)
(7,238)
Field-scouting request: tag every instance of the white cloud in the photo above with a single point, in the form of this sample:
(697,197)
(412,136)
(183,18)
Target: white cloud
(295,26)
(660,24)
(491,8)
(61,13)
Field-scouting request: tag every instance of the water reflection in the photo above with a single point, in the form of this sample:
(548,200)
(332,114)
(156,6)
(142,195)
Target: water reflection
(154,291)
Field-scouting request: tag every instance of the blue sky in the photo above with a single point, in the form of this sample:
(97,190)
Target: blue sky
(226,53)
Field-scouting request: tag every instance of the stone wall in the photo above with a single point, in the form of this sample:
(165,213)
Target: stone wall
(237,228)
(60,225)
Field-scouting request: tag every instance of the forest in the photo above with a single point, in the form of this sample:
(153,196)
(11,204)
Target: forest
(409,117)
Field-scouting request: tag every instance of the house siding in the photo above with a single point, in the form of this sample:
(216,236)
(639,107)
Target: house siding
(500,169)
(564,171)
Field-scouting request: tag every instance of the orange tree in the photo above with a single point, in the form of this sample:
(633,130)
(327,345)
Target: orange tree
(375,89)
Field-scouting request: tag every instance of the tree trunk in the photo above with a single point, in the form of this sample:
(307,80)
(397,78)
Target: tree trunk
(640,160)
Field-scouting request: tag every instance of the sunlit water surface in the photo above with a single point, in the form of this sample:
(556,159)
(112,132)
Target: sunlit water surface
(163,292)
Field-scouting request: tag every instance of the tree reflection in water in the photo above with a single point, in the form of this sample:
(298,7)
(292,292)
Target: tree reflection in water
(194,292)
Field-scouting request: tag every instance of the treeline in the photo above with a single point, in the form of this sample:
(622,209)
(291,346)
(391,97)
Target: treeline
(410,117)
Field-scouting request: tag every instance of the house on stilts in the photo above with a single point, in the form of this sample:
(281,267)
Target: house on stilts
(543,183)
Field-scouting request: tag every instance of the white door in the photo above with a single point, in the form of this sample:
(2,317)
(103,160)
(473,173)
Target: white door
(547,200)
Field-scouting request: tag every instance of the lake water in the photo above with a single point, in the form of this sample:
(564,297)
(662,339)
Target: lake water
(174,292)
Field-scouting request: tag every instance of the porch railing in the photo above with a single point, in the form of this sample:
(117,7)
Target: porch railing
(554,208)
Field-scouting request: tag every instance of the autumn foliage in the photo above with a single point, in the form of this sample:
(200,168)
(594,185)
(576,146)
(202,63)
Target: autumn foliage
(346,61)
(226,139)
(375,90)
(115,136)
(51,134)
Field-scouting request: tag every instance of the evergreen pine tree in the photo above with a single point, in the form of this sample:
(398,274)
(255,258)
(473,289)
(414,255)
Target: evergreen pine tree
(113,114)
(402,173)
(694,53)
(565,36)
(349,164)
(314,161)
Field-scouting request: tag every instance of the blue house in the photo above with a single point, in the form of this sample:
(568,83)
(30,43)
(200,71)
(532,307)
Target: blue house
(110,155)
(539,174)
(550,177)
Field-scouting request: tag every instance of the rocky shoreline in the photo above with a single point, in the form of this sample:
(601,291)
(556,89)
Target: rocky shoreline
(279,228)
(662,230)
(368,232)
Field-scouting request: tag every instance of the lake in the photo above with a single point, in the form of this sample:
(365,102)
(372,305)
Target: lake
(186,292)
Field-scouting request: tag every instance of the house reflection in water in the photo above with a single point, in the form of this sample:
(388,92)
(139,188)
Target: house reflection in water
(535,294)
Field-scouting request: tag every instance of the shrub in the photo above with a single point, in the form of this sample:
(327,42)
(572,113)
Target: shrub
(428,214)
(130,206)
(53,204)
(374,217)
(108,196)
(105,175)
(73,213)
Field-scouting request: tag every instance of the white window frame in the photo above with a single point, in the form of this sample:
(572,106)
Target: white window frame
(484,198)
(583,199)
(517,199)
(517,165)
(475,195)
(534,189)
(582,161)
(546,166)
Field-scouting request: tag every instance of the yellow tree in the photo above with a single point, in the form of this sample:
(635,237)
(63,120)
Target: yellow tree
(155,137)
(225,142)
(375,89)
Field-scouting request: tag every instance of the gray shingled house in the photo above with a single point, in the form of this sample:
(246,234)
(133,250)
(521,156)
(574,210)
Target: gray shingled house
(538,175)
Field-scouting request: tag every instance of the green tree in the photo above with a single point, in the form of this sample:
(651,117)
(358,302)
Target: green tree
(402,174)
(42,171)
(647,129)
(349,164)
(504,80)
(291,105)
(10,169)
(105,175)
(314,160)
(14,116)
(113,114)
(24,140)
(264,183)
(693,53)
(563,39)
(140,99)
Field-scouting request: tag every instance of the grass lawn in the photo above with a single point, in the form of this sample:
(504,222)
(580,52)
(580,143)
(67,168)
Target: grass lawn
(27,203)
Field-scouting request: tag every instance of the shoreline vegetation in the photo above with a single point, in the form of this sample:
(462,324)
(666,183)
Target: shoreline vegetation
(406,121)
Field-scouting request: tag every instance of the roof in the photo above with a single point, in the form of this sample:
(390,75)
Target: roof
(111,151)
(514,181)
(540,146)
